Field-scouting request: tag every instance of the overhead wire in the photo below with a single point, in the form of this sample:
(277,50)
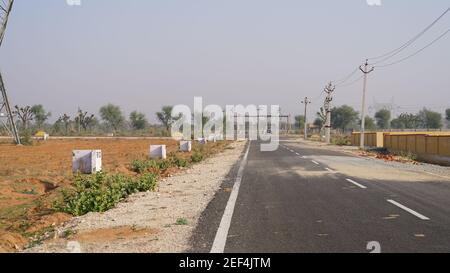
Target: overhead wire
(396,51)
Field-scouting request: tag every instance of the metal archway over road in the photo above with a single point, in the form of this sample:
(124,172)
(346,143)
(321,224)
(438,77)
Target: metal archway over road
(6,116)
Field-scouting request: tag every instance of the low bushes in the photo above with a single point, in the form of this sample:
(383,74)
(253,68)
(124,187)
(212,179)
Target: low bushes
(341,140)
(101,192)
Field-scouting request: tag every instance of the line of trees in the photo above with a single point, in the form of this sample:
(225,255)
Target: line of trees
(345,119)
(110,119)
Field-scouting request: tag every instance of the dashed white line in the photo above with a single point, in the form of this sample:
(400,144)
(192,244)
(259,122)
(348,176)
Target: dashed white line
(415,213)
(315,162)
(304,157)
(222,233)
(297,154)
(330,170)
(356,184)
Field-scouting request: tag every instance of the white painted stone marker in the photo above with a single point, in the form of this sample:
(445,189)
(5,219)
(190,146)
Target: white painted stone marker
(212,138)
(185,146)
(87,161)
(158,152)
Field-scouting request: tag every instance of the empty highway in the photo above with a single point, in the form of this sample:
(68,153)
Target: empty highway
(306,199)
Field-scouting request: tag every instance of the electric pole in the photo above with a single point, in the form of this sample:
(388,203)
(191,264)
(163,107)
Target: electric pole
(329,89)
(306,102)
(366,71)
(5,10)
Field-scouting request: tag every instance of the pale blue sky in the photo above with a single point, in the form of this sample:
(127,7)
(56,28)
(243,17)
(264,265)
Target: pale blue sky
(141,54)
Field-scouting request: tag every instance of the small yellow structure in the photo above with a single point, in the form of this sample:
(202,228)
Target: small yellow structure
(42,135)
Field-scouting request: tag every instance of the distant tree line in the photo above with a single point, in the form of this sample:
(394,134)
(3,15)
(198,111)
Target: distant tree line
(346,119)
(110,120)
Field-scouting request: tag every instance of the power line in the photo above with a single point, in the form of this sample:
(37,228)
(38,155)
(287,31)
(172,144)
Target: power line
(396,51)
(351,83)
(343,80)
(417,52)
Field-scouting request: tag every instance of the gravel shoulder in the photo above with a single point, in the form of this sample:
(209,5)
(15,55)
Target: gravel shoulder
(152,222)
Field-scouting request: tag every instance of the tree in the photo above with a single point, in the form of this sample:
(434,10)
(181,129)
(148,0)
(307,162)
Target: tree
(165,117)
(40,115)
(342,117)
(138,120)
(65,119)
(383,119)
(370,124)
(406,121)
(300,122)
(447,117)
(25,115)
(430,120)
(84,120)
(319,122)
(112,116)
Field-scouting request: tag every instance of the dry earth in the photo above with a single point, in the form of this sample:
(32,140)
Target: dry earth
(158,222)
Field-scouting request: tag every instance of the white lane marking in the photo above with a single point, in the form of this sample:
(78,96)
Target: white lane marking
(222,233)
(297,154)
(356,184)
(415,213)
(304,157)
(330,170)
(315,162)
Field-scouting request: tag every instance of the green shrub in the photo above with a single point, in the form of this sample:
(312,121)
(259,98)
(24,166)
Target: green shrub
(163,165)
(140,166)
(182,222)
(341,140)
(101,192)
(147,182)
(26,138)
(175,160)
(197,156)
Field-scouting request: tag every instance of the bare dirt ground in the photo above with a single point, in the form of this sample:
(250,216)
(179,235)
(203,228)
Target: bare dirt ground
(150,222)
(31,177)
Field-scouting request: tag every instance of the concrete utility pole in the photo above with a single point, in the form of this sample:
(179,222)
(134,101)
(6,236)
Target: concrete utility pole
(366,71)
(329,89)
(306,102)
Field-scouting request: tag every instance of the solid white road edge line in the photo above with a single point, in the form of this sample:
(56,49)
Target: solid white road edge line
(356,184)
(418,215)
(222,233)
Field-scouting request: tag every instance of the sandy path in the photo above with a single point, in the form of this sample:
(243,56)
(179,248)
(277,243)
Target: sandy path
(146,222)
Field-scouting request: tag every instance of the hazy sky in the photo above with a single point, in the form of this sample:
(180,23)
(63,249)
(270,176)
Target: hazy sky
(141,54)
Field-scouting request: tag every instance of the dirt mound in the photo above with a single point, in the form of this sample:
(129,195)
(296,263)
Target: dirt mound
(11,242)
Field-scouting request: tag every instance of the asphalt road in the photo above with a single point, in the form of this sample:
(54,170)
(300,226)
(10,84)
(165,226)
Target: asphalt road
(292,201)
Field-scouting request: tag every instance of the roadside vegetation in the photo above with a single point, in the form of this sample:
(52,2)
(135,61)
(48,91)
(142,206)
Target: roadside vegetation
(39,191)
(103,191)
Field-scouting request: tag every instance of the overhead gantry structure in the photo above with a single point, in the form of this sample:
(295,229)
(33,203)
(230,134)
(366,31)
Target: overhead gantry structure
(6,115)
